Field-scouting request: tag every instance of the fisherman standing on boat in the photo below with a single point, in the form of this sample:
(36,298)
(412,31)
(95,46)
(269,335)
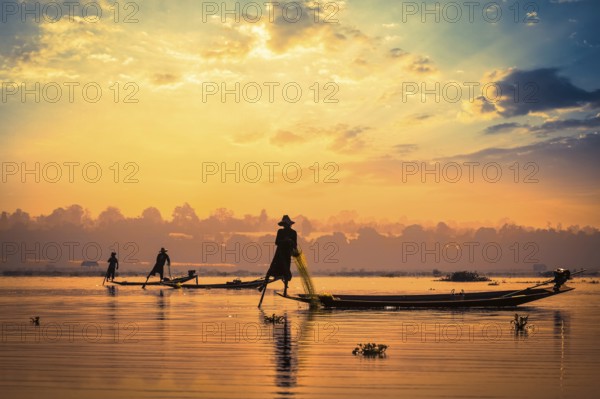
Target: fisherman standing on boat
(113,265)
(287,245)
(159,267)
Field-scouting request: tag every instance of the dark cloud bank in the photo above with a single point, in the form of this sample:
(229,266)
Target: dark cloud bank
(227,243)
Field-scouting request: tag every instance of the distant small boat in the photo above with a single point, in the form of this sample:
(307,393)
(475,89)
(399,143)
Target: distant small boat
(494,283)
(177,280)
(236,284)
(493,299)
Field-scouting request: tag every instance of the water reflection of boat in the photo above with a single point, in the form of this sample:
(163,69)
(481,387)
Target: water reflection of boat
(493,299)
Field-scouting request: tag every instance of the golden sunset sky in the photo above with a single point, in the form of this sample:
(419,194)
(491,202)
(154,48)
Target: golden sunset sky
(360,131)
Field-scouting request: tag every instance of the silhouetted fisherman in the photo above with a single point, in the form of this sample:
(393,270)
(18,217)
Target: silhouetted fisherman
(113,265)
(560,277)
(159,267)
(287,245)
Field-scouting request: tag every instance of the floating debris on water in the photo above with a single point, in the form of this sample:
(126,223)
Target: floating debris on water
(275,319)
(370,349)
(520,322)
(464,276)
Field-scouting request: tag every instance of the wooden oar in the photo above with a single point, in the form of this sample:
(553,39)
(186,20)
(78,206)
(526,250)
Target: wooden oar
(146,282)
(264,290)
(105,276)
(538,285)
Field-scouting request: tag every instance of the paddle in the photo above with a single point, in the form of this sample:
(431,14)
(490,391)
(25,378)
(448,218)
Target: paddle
(538,285)
(264,289)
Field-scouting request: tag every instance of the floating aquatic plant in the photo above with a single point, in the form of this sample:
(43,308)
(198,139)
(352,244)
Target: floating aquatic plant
(370,349)
(275,319)
(520,322)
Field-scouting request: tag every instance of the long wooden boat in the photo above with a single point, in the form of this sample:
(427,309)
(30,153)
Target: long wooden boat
(230,285)
(178,280)
(489,299)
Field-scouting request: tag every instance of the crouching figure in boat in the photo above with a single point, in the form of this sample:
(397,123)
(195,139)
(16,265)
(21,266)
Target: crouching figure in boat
(560,277)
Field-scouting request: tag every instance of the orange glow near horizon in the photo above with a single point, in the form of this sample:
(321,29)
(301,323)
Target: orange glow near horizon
(339,102)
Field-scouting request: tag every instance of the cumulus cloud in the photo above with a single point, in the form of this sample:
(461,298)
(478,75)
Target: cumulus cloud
(422,65)
(517,92)
(285,137)
(397,53)
(404,149)
(232,44)
(347,139)
(417,63)
(341,138)
(299,24)
(565,163)
(569,165)
(246,137)
(567,124)
(503,128)
(162,79)
(53,50)
(590,124)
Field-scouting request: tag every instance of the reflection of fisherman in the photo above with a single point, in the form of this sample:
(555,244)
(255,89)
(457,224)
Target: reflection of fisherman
(286,353)
(113,265)
(159,267)
(287,246)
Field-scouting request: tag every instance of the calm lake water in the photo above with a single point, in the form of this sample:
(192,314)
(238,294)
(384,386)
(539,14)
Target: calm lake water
(113,342)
